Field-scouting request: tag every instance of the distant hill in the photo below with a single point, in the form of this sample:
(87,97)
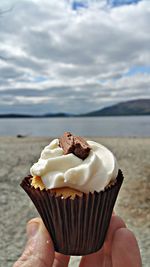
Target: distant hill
(132,107)
(9,115)
(128,108)
(48,115)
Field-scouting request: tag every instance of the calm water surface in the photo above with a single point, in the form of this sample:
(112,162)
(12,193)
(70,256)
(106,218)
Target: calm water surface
(138,126)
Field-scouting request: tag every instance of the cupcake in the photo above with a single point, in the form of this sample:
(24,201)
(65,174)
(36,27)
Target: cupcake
(74,186)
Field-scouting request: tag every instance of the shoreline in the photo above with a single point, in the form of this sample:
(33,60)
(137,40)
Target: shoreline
(24,137)
(18,154)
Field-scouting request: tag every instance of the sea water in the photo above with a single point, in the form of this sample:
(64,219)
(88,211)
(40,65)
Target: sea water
(138,126)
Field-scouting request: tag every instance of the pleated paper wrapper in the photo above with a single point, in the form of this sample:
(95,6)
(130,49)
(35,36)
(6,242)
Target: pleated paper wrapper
(77,226)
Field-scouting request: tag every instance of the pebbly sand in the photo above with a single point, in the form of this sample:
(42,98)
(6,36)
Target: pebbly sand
(133,204)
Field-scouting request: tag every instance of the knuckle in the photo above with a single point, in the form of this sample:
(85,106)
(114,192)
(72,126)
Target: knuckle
(30,259)
(25,257)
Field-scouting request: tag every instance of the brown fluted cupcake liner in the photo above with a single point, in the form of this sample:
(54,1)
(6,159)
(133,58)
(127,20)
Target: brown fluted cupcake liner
(77,226)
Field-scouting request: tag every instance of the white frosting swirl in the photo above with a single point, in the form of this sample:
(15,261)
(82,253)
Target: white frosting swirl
(91,174)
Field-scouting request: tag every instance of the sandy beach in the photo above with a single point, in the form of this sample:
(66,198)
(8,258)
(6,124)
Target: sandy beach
(18,154)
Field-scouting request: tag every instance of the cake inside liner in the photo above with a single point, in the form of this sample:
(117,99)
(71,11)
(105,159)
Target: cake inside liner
(64,192)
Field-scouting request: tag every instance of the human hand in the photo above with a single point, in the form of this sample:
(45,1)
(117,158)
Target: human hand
(39,250)
(119,250)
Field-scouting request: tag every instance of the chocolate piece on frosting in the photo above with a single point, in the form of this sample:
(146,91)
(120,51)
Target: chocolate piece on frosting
(81,147)
(74,144)
(66,142)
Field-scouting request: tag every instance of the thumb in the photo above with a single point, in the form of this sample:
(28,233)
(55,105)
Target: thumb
(39,250)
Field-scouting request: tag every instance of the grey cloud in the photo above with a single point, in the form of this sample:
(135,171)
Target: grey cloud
(25,62)
(55,92)
(87,52)
(9,72)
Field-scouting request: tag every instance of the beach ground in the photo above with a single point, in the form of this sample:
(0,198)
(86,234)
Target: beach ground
(18,154)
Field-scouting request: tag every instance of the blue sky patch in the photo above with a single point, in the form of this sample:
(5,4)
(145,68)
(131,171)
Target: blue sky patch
(138,69)
(39,79)
(79,4)
(115,3)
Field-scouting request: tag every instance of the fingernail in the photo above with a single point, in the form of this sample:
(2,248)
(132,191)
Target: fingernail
(32,229)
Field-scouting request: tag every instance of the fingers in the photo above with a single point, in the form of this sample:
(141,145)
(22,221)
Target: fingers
(103,256)
(125,250)
(116,222)
(39,251)
(93,260)
(61,260)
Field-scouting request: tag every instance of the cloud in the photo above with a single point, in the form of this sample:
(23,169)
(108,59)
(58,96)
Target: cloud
(53,57)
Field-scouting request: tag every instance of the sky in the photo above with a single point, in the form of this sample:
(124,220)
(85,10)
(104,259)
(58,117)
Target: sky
(73,56)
